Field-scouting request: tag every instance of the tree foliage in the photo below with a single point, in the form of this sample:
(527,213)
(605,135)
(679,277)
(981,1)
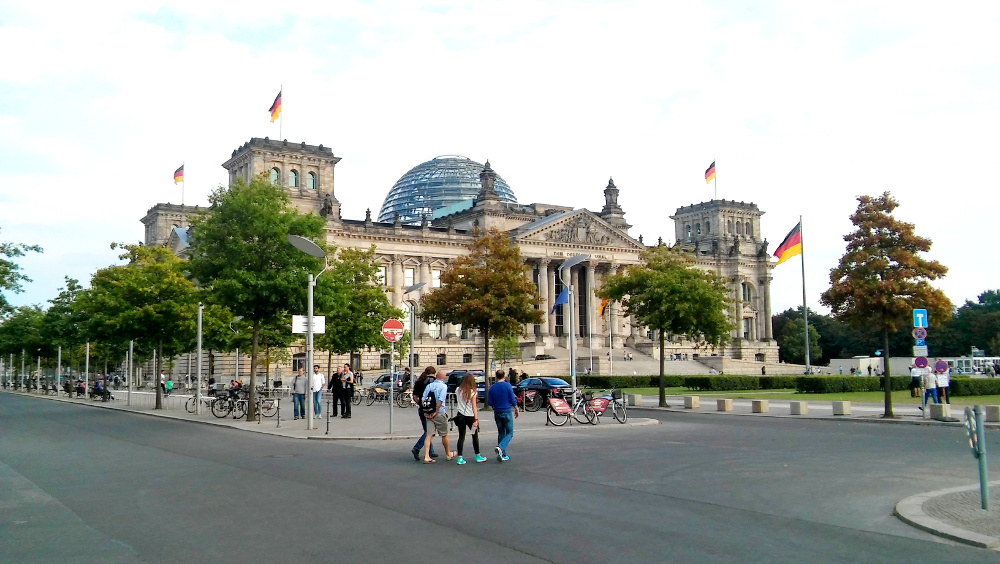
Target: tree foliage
(506,349)
(666,292)
(10,273)
(21,331)
(489,289)
(881,278)
(149,300)
(240,252)
(793,347)
(354,302)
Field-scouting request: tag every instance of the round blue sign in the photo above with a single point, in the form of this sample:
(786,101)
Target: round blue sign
(940,366)
(920,362)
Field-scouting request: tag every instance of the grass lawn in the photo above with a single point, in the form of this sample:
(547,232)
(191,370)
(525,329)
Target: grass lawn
(790,394)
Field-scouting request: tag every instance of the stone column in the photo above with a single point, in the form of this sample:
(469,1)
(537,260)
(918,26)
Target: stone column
(550,275)
(397,281)
(591,304)
(738,305)
(423,274)
(766,297)
(543,291)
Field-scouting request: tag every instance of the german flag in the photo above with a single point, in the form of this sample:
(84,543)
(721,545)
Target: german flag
(710,173)
(791,246)
(179,175)
(600,310)
(276,107)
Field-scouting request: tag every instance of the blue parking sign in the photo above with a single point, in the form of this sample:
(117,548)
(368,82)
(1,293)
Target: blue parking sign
(920,318)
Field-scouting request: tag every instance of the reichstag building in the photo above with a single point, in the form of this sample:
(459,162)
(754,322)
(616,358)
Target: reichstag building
(426,220)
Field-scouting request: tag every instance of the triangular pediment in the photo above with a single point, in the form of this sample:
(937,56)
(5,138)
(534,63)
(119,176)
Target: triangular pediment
(579,227)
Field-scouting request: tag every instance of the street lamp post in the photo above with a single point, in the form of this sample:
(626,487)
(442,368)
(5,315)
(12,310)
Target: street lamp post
(312,249)
(236,319)
(197,376)
(413,325)
(571,342)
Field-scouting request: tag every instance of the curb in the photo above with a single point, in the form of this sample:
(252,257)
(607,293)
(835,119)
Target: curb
(911,512)
(871,419)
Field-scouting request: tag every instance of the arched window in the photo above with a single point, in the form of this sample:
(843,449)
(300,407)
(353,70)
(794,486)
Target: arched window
(697,228)
(311,181)
(747,292)
(293,178)
(749,229)
(688,229)
(708,227)
(275,176)
(729,226)
(739,228)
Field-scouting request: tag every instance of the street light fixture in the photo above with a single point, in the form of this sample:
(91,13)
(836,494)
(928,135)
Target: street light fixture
(235,320)
(571,342)
(312,249)
(413,324)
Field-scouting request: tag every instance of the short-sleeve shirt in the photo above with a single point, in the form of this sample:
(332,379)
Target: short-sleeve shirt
(439,389)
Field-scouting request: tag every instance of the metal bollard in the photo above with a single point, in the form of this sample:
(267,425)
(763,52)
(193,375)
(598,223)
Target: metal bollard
(329,399)
(278,414)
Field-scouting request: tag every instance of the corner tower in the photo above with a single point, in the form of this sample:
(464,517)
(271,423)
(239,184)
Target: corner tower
(306,172)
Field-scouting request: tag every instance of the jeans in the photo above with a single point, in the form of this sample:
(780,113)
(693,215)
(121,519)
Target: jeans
(420,441)
(932,393)
(317,402)
(299,405)
(505,428)
(345,401)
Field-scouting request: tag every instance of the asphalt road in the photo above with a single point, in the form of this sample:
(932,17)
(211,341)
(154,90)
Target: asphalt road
(79,484)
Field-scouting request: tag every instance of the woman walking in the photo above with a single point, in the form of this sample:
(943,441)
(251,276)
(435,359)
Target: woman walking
(466,403)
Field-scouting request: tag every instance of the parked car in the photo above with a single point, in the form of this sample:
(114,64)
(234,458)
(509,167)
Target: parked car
(455,378)
(383,380)
(545,386)
(544,357)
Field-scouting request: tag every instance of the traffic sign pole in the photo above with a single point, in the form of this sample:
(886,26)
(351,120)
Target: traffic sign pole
(392,331)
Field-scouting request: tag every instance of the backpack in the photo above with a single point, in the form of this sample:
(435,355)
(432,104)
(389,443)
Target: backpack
(428,404)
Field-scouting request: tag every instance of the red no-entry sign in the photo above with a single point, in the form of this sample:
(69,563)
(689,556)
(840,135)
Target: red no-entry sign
(392,330)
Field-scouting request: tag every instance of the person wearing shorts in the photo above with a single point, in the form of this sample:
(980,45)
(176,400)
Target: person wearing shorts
(437,424)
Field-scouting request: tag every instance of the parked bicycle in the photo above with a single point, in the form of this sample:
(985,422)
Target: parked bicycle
(530,400)
(191,405)
(616,401)
(560,411)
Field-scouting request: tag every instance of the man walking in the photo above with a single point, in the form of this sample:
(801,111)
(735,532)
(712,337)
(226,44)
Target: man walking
(316,384)
(437,423)
(336,388)
(348,392)
(501,397)
(299,387)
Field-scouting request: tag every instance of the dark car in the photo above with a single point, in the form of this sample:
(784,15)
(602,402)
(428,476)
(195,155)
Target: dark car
(545,386)
(383,380)
(544,357)
(455,378)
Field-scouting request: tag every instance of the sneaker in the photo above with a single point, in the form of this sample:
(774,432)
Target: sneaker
(434,455)
(416,454)
(505,458)
(480,458)
(460,460)
(499,454)
(319,416)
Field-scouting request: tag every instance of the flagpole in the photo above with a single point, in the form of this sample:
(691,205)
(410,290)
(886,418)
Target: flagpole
(805,309)
(281,116)
(182,182)
(716,179)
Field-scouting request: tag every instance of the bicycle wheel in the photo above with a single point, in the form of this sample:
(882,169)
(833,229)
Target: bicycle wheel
(221,407)
(555,418)
(618,409)
(534,405)
(191,405)
(371,398)
(356,398)
(403,400)
(268,407)
(240,408)
(584,414)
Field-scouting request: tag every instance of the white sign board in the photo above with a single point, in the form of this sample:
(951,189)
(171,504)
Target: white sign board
(920,351)
(299,324)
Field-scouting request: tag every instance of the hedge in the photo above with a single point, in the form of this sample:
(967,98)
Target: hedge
(839,384)
(976,387)
(960,386)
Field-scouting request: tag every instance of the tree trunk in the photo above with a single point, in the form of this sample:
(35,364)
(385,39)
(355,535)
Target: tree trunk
(329,366)
(663,387)
(252,393)
(156,376)
(886,379)
(486,369)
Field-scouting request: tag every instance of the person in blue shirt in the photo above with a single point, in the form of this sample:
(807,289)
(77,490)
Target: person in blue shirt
(501,398)
(437,423)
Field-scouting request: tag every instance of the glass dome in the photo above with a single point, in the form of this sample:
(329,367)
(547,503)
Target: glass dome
(439,182)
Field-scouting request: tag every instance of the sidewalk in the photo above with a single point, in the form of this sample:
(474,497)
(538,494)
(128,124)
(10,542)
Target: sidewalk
(366,422)
(956,514)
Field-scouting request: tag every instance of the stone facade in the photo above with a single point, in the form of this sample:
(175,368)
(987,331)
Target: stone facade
(546,234)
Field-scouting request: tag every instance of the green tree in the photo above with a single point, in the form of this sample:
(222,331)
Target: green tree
(10,273)
(792,345)
(65,323)
(354,302)
(881,278)
(21,332)
(239,251)
(506,348)
(666,292)
(149,300)
(489,289)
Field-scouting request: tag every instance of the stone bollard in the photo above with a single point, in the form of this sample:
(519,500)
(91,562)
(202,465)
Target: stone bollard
(692,402)
(940,410)
(993,413)
(841,408)
(760,406)
(798,407)
(724,404)
(634,399)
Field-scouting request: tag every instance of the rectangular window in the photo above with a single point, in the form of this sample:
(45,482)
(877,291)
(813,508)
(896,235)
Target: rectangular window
(467,358)
(435,279)
(434,330)
(383,361)
(408,277)
(382,275)
(442,359)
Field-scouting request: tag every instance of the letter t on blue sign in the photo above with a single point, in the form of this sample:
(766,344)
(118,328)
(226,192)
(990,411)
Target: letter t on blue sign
(920,318)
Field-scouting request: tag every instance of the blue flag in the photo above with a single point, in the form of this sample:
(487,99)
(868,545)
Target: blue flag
(562,298)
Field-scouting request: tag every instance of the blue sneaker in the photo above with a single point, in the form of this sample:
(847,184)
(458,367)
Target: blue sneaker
(499,454)
(460,460)
(505,458)
(480,458)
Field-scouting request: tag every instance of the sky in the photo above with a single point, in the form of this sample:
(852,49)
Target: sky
(803,105)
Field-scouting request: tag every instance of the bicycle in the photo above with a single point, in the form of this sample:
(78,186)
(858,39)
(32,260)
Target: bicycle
(376,395)
(225,405)
(404,399)
(358,395)
(617,403)
(560,412)
(191,405)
